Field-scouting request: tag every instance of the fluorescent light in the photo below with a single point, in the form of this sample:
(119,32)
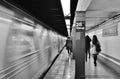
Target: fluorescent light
(68,27)
(66,6)
(67,21)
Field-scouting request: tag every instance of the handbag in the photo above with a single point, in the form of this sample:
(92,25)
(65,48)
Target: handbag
(98,48)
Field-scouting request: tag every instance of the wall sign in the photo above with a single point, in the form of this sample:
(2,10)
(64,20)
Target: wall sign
(110,30)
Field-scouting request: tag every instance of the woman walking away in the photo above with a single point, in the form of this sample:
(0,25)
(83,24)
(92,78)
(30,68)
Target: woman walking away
(96,47)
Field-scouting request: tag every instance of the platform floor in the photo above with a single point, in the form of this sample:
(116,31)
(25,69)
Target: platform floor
(99,72)
(64,68)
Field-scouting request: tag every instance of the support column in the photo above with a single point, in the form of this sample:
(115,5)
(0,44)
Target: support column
(79,46)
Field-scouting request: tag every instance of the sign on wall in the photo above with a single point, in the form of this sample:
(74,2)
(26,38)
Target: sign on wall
(111,30)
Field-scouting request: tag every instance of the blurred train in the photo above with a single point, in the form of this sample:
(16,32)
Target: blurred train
(27,48)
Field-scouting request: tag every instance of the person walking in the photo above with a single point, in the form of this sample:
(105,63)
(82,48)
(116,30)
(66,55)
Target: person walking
(69,45)
(96,48)
(87,46)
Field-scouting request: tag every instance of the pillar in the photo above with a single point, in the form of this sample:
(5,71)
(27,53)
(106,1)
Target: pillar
(79,44)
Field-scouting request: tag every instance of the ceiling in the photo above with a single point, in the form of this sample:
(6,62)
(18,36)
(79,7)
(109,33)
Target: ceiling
(49,12)
(100,10)
(73,6)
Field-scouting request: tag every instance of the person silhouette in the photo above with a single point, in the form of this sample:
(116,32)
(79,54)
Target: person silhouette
(97,48)
(69,45)
(87,46)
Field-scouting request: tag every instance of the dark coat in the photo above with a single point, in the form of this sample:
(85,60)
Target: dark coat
(87,42)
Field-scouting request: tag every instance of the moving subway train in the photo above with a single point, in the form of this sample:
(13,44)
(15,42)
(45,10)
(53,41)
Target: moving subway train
(26,48)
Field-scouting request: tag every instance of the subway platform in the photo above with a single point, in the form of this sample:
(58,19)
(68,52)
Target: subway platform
(64,68)
(100,71)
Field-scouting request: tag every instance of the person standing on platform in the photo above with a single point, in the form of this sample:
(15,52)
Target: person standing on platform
(87,46)
(96,48)
(69,45)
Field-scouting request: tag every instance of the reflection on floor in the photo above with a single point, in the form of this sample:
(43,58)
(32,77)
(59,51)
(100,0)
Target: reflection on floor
(99,72)
(64,68)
